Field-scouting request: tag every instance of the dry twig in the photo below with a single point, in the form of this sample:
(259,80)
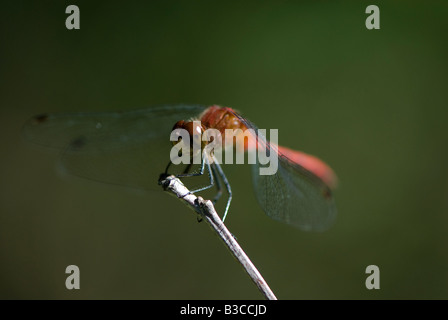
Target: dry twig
(207,211)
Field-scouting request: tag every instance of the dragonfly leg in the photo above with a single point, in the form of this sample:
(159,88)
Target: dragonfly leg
(227,184)
(218,185)
(215,173)
(167,167)
(187,169)
(205,161)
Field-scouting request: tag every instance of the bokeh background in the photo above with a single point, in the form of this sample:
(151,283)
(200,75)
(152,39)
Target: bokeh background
(373,104)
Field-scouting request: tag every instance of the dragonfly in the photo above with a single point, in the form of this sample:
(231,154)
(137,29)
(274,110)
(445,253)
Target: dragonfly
(131,148)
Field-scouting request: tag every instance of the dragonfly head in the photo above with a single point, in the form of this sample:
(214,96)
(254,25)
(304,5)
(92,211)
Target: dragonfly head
(194,129)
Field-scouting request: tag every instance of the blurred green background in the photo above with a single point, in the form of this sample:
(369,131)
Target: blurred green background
(371,103)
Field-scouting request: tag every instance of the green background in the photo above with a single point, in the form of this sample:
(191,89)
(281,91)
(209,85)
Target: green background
(371,103)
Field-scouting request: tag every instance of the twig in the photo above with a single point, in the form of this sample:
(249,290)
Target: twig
(206,210)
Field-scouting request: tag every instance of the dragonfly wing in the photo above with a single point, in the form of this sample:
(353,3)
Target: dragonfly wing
(127,148)
(294,196)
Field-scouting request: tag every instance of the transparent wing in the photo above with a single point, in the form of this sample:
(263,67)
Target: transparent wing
(128,148)
(293,197)
(293,194)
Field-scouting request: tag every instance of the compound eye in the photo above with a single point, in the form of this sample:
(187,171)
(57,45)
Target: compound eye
(194,128)
(179,125)
(195,131)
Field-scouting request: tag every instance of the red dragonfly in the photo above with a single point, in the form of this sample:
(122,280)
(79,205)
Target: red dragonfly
(130,148)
